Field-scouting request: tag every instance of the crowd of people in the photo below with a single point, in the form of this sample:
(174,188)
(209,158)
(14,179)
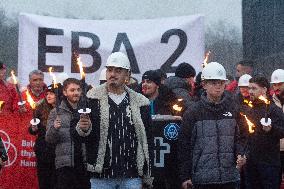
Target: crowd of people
(230,133)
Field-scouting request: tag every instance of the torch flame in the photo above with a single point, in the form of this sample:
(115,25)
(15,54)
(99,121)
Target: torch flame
(30,100)
(177,107)
(249,103)
(53,77)
(265,100)
(1,103)
(206,59)
(251,126)
(80,64)
(14,77)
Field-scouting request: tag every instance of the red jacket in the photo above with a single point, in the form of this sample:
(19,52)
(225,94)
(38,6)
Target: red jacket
(9,97)
(37,98)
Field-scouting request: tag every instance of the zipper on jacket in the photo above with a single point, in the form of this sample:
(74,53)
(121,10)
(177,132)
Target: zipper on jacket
(218,148)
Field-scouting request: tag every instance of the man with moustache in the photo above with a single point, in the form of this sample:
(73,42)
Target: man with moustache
(70,171)
(210,147)
(117,131)
(263,159)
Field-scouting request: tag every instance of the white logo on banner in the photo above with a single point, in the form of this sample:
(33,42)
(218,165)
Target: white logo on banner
(48,41)
(161,149)
(10,148)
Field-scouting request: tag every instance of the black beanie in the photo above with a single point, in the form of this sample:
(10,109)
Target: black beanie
(185,70)
(51,88)
(152,75)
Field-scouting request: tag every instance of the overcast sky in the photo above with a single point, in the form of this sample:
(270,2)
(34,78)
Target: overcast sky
(214,10)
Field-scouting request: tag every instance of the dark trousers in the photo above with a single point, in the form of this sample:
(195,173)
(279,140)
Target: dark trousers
(216,186)
(262,176)
(46,175)
(71,178)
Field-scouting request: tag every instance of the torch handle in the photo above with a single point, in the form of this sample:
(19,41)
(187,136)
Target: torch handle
(19,93)
(57,100)
(266,113)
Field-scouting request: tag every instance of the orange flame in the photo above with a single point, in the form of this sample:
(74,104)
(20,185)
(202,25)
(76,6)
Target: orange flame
(1,103)
(206,59)
(251,126)
(30,100)
(265,100)
(14,77)
(53,77)
(80,64)
(248,102)
(177,107)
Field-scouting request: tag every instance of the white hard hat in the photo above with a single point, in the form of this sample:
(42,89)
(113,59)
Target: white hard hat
(213,70)
(118,59)
(277,76)
(103,75)
(244,80)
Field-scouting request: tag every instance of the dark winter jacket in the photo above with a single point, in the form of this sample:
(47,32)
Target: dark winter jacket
(264,146)
(209,142)
(165,101)
(45,152)
(97,135)
(181,88)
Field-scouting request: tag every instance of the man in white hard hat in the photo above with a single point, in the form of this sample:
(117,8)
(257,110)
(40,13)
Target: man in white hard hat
(277,82)
(242,97)
(209,141)
(117,131)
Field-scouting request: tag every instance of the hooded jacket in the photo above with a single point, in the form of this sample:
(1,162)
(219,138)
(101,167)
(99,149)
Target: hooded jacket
(181,88)
(210,142)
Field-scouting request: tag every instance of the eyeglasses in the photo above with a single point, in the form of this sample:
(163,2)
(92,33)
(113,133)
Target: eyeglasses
(216,82)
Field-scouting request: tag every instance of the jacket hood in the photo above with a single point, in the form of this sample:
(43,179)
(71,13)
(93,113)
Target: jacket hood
(174,82)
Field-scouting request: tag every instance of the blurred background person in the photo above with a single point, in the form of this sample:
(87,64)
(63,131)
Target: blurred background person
(181,83)
(8,94)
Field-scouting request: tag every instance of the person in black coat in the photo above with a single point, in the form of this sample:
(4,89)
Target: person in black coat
(263,163)
(45,153)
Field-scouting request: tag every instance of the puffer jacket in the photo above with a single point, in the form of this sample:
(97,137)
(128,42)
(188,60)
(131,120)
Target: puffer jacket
(181,88)
(210,142)
(66,149)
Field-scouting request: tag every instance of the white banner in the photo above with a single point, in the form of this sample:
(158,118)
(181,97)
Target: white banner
(150,44)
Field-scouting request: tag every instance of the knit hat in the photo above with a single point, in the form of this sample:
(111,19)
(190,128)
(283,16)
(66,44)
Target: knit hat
(2,66)
(152,75)
(51,88)
(185,70)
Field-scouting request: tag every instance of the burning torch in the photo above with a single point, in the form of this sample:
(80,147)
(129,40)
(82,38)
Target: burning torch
(21,102)
(206,59)
(34,121)
(265,121)
(55,86)
(1,105)
(248,103)
(251,127)
(177,107)
(84,109)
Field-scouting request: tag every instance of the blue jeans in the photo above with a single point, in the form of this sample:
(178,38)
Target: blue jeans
(126,183)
